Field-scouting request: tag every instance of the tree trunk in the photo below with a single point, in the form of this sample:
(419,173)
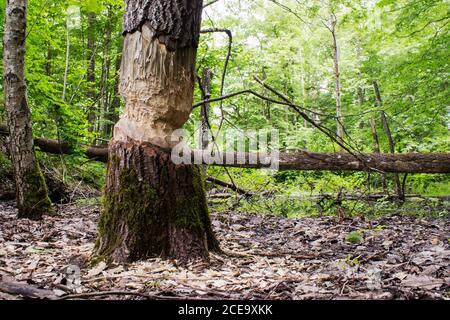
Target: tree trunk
(31,190)
(113,114)
(152,206)
(206,95)
(337,74)
(66,68)
(377,149)
(387,130)
(105,75)
(91,69)
(48,62)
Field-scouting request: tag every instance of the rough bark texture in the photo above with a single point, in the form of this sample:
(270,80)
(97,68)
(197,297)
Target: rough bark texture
(175,23)
(152,206)
(31,191)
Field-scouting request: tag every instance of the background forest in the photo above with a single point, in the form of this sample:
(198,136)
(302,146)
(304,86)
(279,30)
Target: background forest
(73,63)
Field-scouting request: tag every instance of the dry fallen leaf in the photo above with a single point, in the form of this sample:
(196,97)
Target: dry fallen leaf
(424,282)
(97,269)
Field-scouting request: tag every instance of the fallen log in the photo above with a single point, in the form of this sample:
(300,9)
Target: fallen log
(25,290)
(294,160)
(56,147)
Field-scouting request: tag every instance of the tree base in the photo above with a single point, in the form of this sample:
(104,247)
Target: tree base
(153,207)
(35,201)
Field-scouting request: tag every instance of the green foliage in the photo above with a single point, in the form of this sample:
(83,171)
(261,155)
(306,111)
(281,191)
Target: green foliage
(354,237)
(404,45)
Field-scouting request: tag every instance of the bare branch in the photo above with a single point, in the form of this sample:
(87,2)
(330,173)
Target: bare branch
(210,3)
(224,73)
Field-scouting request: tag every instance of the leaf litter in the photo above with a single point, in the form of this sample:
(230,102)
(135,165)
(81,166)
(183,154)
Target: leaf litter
(265,257)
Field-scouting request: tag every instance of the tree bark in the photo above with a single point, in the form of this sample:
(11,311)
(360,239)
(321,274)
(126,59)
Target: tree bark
(92,17)
(206,95)
(387,130)
(113,114)
(152,206)
(337,75)
(105,75)
(31,190)
(377,150)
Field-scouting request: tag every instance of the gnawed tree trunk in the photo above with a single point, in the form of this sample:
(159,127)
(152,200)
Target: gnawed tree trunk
(152,206)
(31,190)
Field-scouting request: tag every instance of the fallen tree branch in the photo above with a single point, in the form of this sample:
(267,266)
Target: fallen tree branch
(25,290)
(229,186)
(123,293)
(300,160)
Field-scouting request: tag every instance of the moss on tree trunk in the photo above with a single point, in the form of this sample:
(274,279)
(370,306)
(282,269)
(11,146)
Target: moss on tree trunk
(36,200)
(31,190)
(153,207)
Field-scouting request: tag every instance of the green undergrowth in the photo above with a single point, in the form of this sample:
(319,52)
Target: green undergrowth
(307,194)
(286,193)
(75,170)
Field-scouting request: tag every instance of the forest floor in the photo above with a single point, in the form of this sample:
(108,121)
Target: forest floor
(265,257)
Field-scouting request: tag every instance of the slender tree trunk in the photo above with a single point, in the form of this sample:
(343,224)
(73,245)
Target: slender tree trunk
(303,85)
(91,69)
(66,69)
(337,74)
(105,73)
(31,190)
(266,104)
(286,109)
(152,206)
(360,96)
(387,130)
(377,150)
(113,114)
(206,84)
(316,117)
(48,63)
